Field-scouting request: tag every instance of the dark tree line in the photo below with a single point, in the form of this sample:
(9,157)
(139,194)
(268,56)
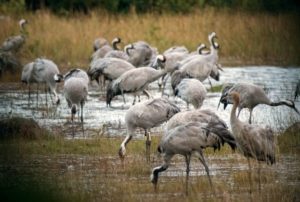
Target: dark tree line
(159,6)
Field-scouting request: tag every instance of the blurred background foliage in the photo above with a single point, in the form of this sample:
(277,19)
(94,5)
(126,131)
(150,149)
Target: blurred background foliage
(66,7)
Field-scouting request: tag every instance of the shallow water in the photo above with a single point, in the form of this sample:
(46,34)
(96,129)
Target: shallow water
(279,83)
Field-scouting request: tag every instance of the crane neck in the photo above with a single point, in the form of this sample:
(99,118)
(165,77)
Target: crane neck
(233,118)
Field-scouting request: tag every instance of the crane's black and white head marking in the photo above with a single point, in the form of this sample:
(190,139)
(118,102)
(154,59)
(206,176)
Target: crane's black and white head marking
(22,22)
(58,77)
(200,48)
(159,62)
(116,40)
(225,91)
(212,38)
(128,47)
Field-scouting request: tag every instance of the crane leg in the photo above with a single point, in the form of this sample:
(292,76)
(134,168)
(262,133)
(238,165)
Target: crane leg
(164,81)
(249,175)
(259,177)
(202,160)
(29,94)
(148,145)
(82,119)
(250,118)
(46,93)
(122,149)
(73,128)
(187,161)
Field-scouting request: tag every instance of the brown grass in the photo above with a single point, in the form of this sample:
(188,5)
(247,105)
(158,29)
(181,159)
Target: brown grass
(57,169)
(245,38)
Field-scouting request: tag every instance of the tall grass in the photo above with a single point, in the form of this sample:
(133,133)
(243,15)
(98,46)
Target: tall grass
(245,38)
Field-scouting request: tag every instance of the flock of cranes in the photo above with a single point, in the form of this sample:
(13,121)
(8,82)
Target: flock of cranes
(139,64)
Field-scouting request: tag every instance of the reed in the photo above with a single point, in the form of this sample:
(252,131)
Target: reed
(245,37)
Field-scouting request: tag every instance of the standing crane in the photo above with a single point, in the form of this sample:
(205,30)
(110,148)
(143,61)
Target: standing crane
(250,96)
(14,43)
(27,78)
(187,139)
(191,91)
(147,115)
(75,91)
(43,72)
(135,81)
(252,140)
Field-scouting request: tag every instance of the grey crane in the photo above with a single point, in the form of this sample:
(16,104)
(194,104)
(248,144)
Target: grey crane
(200,66)
(172,57)
(135,81)
(297,91)
(202,116)
(99,42)
(43,72)
(14,43)
(147,115)
(142,54)
(251,95)
(102,51)
(191,91)
(110,68)
(27,78)
(252,140)
(187,139)
(75,92)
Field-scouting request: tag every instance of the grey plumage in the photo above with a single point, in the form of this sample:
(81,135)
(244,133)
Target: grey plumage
(206,117)
(43,71)
(110,68)
(99,42)
(201,66)
(75,90)
(147,115)
(124,55)
(252,140)
(73,73)
(134,81)
(27,78)
(250,96)
(142,54)
(187,139)
(172,58)
(14,43)
(191,91)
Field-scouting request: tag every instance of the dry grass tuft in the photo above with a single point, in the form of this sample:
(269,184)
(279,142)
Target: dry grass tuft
(245,38)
